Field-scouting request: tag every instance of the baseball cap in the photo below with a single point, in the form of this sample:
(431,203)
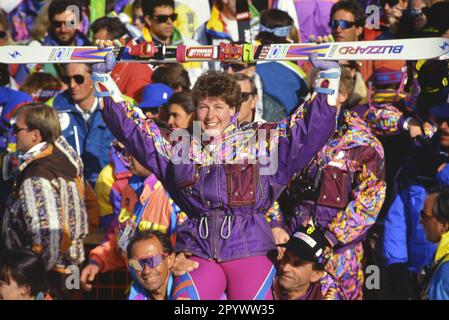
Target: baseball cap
(441,108)
(155,95)
(309,244)
(437,19)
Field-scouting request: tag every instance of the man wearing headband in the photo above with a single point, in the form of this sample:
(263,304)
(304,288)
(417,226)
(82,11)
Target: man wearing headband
(284,85)
(302,274)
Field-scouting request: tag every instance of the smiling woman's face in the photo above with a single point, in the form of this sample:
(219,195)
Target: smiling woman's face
(214,114)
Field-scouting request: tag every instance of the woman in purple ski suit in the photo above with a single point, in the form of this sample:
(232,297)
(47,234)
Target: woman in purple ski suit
(225,186)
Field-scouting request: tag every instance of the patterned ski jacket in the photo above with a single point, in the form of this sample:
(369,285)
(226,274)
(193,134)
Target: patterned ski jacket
(46,209)
(351,189)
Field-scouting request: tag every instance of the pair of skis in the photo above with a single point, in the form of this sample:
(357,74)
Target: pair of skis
(404,49)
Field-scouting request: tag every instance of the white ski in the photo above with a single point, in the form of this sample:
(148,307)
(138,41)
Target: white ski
(403,49)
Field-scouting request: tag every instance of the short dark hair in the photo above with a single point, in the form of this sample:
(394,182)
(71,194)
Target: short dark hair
(173,75)
(353,7)
(60,6)
(25,267)
(163,238)
(39,116)
(219,85)
(184,99)
(238,76)
(115,28)
(441,209)
(149,5)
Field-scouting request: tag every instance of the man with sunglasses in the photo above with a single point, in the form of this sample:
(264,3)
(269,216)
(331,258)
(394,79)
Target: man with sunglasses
(64,25)
(435,220)
(81,121)
(404,246)
(150,260)
(159,16)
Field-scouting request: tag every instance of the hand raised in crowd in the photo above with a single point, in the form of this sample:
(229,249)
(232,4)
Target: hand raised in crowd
(182,264)
(280,236)
(321,64)
(110,62)
(88,275)
(414,128)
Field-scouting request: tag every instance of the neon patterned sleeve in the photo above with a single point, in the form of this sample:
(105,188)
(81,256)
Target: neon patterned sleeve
(368,197)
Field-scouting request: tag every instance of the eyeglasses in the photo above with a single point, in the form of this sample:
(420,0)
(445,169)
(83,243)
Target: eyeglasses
(236,67)
(58,24)
(164,18)
(79,79)
(344,24)
(152,262)
(424,216)
(3,34)
(16,129)
(245,95)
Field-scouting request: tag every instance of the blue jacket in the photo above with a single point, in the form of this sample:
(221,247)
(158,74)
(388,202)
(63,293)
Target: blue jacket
(404,238)
(284,82)
(10,100)
(438,286)
(94,142)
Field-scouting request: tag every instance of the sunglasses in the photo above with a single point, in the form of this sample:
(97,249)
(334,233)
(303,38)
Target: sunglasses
(16,129)
(164,18)
(245,95)
(236,67)
(3,34)
(344,24)
(424,216)
(79,79)
(58,24)
(151,262)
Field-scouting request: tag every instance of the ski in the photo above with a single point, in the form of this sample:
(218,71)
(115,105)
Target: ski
(404,49)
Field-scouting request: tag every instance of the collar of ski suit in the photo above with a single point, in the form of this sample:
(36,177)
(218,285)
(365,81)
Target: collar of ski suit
(175,40)
(443,247)
(216,27)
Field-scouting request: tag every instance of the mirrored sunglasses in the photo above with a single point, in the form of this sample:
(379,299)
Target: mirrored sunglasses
(344,24)
(151,262)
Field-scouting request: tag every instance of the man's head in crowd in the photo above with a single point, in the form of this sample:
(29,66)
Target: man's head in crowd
(217,98)
(35,123)
(151,257)
(275,27)
(138,18)
(64,22)
(22,274)
(347,19)
(108,28)
(303,263)
(81,88)
(435,215)
(249,97)
(159,16)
